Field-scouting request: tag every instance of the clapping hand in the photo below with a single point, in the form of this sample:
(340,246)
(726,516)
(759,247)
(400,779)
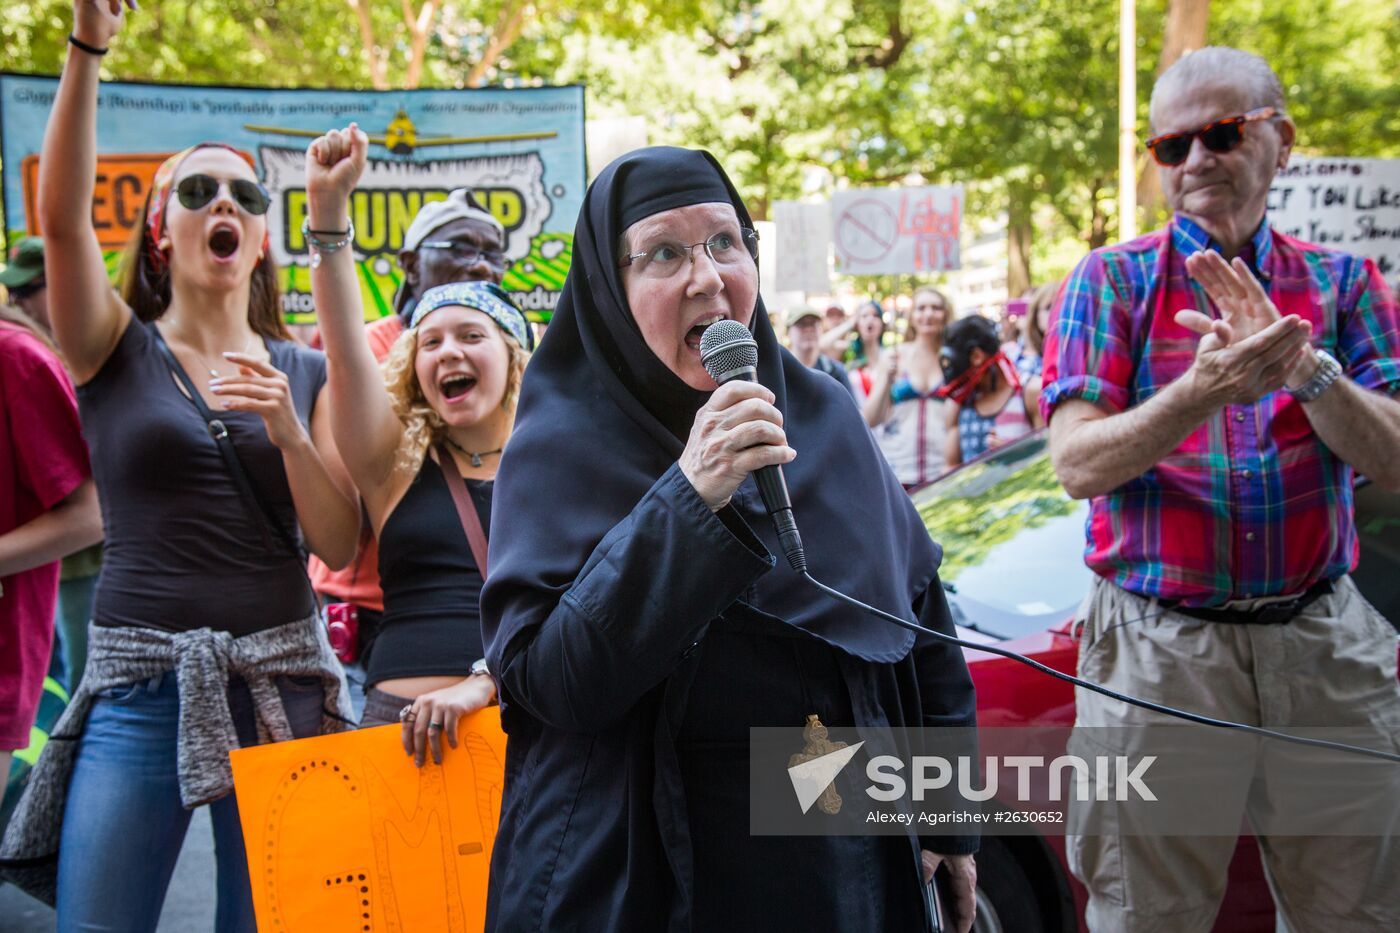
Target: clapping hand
(1251,350)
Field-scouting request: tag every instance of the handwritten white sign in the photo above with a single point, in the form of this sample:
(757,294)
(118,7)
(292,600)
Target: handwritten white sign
(803,247)
(878,231)
(1347,204)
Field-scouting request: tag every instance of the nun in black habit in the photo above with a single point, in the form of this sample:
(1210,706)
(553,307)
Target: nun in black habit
(634,615)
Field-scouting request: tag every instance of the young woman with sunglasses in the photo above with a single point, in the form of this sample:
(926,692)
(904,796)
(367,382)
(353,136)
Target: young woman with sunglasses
(205,634)
(421,453)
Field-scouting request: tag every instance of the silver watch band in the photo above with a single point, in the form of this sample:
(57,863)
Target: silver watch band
(1328,372)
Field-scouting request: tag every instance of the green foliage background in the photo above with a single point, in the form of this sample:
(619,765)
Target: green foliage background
(1016,98)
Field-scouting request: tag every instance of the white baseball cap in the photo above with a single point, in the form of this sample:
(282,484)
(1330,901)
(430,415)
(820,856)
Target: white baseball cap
(460,204)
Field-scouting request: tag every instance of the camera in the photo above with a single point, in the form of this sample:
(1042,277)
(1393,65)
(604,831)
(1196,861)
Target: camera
(343,630)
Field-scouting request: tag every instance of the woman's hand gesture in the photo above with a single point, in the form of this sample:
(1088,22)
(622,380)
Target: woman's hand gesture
(262,389)
(95,22)
(334,163)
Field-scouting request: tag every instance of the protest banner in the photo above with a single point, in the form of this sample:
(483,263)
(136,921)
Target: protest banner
(520,150)
(882,231)
(1346,204)
(803,247)
(343,832)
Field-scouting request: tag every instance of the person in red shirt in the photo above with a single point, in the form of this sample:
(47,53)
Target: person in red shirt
(48,509)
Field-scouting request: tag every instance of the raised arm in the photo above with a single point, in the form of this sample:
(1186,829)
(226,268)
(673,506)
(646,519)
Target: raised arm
(879,405)
(366,430)
(87,315)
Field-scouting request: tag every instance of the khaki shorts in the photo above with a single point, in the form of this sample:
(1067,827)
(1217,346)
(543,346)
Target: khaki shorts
(1333,665)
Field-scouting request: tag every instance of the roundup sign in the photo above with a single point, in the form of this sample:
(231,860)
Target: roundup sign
(520,151)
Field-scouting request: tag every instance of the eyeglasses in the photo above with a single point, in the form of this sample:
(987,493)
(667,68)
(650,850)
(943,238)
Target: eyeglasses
(666,259)
(1221,136)
(195,191)
(21,292)
(468,253)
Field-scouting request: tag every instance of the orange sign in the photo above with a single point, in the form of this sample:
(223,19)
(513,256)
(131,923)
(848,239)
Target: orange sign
(344,833)
(117,198)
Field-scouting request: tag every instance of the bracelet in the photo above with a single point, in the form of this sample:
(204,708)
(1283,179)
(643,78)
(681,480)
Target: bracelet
(325,247)
(80,44)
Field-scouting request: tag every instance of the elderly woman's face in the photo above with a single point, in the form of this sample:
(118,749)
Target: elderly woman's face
(673,303)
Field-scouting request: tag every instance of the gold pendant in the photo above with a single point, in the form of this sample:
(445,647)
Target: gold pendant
(816,745)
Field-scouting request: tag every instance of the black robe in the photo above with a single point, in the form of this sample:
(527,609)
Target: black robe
(637,635)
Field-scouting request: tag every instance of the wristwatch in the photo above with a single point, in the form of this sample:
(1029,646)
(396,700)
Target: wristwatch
(479,667)
(1328,372)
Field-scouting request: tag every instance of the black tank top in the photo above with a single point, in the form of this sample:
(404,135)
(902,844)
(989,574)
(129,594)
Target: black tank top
(183,549)
(432,586)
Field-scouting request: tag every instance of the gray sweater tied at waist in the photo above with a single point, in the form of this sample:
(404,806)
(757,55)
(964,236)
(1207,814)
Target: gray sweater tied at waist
(203,660)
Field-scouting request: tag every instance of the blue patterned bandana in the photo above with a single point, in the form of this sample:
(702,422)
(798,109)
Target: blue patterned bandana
(486,297)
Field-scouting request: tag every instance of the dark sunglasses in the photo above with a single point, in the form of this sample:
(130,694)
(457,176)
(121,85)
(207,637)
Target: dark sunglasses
(1221,136)
(195,191)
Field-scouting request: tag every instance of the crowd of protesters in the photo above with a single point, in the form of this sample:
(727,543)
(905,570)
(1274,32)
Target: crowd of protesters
(244,477)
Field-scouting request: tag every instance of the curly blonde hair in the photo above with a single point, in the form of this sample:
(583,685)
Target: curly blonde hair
(422,426)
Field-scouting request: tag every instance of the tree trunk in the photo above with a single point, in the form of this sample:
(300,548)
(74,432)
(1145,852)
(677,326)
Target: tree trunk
(1098,220)
(376,61)
(1018,243)
(509,23)
(1187,22)
(419,25)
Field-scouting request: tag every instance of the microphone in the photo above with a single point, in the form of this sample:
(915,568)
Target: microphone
(728,352)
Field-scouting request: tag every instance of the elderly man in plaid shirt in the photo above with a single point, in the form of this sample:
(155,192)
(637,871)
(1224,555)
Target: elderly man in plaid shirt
(1213,387)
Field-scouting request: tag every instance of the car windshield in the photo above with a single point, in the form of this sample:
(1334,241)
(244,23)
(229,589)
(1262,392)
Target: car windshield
(1013,541)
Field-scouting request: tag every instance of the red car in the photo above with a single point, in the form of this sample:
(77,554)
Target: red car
(1013,545)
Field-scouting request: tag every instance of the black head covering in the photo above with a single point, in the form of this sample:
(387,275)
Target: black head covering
(601,418)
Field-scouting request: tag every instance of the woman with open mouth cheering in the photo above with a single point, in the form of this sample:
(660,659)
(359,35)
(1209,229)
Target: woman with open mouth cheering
(211,449)
(452,380)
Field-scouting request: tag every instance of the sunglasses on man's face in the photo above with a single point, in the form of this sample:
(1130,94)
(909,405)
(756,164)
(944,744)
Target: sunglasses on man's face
(1171,149)
(195,191)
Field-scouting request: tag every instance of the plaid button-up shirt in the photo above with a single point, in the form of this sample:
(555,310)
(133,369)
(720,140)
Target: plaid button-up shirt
(1252,503)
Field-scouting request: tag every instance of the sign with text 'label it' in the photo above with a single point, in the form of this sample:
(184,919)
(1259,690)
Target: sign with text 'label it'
(882,231)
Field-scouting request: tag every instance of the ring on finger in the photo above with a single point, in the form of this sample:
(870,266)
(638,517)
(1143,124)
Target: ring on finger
(434,726)
(407,714)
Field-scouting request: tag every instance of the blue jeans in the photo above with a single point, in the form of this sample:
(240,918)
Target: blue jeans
(123,825)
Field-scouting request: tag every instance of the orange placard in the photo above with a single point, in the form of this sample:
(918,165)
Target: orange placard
(344,833)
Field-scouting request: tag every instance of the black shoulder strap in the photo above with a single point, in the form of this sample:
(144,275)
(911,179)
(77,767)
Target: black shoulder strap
(219,432)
